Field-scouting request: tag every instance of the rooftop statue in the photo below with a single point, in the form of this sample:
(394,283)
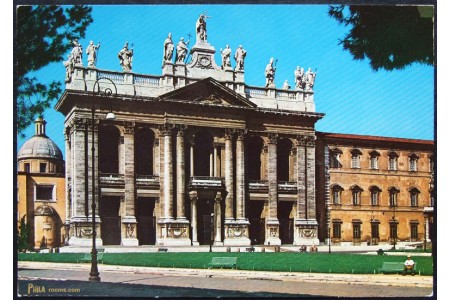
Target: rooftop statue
(77,53)
(181,51)
(270,73)
(168,49)
(299,78)
(226,53)
(69,68)
(91,51)
(200,27)
(239,56)
(286,85)
(310,77)
(126,57)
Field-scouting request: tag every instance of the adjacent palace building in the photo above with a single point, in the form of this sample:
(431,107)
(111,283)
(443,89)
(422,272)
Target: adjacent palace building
(195,156)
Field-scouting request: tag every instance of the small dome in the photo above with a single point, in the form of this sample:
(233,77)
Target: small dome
(40,145)
(44,210)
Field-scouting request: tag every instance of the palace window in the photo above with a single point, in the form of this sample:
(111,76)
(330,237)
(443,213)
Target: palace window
(356,195)
(27,167)
(393,161)
(356,158)
(374,160)
(337,229)
(375,226)
(393,230)
(335,158)
(336,191)
(414,230)
(356,229)
(374,195)
(393,192)
(414,196)
(413,162)
(45,192)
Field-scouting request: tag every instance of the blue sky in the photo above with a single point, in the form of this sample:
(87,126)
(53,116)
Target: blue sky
(354,98)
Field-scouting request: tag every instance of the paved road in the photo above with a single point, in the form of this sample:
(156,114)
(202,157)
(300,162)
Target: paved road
(72,280)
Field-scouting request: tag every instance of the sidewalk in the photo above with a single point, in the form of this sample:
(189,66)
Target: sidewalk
(357,279)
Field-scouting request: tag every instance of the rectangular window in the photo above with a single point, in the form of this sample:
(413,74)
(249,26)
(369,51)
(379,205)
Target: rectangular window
(393,231)
(44,192)
(336,197)
(393,199)
(413,164)
(336,230)
(413,199)
(392,163)
(356,231)
(356,197)
(355,161)
(27,167)
(375,231)
(334,161)
(374,198)
(42,167)
(414,232)
(374,163)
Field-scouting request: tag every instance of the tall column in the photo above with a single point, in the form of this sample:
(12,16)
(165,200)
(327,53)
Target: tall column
(301,177)
(168,173)
(215,160)
(156,158)
(306,226)
(229,184)
(68,195)
(217,219)
(193,197)
(191,153)
(240,176)
(311,178)
(272,223)
(129,217)
(181,175)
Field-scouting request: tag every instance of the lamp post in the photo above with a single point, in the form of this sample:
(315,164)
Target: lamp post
(94,274)
(329,239)
(395,226)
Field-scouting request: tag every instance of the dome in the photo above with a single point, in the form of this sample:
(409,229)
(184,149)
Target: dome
(40,145)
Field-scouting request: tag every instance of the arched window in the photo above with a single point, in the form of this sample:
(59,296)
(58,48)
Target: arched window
(413,158)
(356,194)
(414,196)
(335,158)
(374,160)
(336,191)
(393,193)
(393,157)
(356,158)
(374,195)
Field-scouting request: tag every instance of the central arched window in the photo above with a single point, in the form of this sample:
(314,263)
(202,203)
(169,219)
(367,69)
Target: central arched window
(393,193)
(374,160)
(414,196)
(356,195)
(374,195)
(356,158)
(336,191)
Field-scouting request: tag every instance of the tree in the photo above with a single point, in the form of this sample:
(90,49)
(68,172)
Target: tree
(23,237)
(43,34)
(391,37)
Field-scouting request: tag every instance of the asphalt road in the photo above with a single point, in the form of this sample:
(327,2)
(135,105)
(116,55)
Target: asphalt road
(151,283)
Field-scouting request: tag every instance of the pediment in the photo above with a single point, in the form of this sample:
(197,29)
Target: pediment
(207,91)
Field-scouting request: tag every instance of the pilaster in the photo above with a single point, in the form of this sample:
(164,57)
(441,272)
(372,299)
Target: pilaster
(272,223)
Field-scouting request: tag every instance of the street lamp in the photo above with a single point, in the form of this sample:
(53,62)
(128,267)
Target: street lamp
(94,274)
(329,239)
(395,227)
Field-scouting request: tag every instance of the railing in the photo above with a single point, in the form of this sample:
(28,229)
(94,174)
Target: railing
(264,185)
(146,80)
(114,76)
(256,92)
(259,92)
(111,178)
(147,180)
(206,181)
(287,186)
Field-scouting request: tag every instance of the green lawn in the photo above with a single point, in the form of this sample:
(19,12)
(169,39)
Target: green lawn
(261,261)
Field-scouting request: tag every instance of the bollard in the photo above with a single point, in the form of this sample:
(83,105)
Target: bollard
(228,249)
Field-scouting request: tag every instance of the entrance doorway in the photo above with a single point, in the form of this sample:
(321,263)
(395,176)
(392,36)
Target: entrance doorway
(205,221)
(146,221)
(109,214)
(257,223)
(286,222)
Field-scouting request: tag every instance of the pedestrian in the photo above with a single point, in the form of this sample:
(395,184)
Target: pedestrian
(408,266)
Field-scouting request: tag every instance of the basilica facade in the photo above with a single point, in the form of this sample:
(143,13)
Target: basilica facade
(193,156)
